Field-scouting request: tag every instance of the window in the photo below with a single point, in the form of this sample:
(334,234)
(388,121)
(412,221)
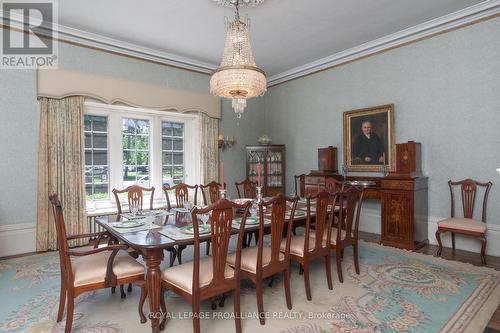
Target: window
(126,145)
(135,142)
(172,152)
(96,157)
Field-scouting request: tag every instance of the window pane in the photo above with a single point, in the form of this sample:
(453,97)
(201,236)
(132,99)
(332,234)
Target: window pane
(100,140)
(178,144)
(88,140)
(173,162)
(100,157)
(96,157)
(178,158)
(99,124)
(166,143)
(167,158)
(136,152)
(166,128)
(88,157)
(178,129)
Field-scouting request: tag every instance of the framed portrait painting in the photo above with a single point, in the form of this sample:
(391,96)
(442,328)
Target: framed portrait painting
(369,139)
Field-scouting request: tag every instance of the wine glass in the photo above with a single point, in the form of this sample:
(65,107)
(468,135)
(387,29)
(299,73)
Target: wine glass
(150,218)
(134,208)
(204,218)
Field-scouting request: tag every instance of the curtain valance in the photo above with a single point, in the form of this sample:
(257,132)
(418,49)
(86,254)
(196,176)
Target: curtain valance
(60,83)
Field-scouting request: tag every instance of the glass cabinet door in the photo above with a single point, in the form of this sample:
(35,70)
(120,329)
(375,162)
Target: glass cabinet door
(274,169)
(253,159)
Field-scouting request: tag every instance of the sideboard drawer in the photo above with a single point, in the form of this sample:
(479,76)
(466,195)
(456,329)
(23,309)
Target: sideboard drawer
(314,180)
(397,184)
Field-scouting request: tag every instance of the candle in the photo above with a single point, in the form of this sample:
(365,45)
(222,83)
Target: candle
(383,156)
(258,174)
(222,173)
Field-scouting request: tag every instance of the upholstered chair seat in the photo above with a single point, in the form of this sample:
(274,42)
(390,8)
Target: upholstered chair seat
(249,258)
(92,268)
(181,276)
(464,224)
(297,244)
(333,241)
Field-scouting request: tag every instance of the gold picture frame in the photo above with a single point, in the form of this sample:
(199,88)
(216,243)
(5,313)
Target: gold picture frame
(369,139)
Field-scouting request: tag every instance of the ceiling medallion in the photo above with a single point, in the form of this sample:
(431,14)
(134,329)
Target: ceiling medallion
(238,77)
(242,3)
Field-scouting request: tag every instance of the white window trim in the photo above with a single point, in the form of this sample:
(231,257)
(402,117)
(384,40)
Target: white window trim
(115,113)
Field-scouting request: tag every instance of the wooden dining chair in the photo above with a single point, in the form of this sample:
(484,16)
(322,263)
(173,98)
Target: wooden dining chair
(134,196)
(214,195)
(87,270)
(213,192)
(261,261)
(345,232)
(313,245)
(206,278)
(300,185)
(183,192)
(248,189)
(466,225)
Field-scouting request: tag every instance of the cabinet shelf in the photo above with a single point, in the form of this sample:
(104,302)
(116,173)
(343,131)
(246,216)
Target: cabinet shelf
(272,159)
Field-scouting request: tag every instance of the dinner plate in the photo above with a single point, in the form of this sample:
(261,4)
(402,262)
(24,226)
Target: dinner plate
(128,224)
(130,216)
(189,229)
(250,220)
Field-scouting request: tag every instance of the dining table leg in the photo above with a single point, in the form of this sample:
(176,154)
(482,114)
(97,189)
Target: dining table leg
(153,259)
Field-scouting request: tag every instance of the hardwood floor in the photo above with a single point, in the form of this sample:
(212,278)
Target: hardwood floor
(459,255)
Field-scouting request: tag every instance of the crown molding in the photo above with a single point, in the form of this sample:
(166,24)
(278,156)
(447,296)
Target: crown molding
(454,20)
(88,39)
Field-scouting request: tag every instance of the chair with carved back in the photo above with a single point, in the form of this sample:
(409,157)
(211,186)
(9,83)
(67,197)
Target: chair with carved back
(313,245)
(262,261)
(206,278)
(466,225)
(300,185)
(182,192)
(214,195)
(248,189)
(213,189)
(134,196)
(91,269)
(345,232)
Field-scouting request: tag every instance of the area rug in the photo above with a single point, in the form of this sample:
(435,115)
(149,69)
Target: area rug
(397,291)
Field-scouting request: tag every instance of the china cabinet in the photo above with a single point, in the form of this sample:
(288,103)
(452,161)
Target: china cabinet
(272,161)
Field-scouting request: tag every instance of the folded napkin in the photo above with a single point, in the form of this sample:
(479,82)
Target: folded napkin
(175,234)
(134,229)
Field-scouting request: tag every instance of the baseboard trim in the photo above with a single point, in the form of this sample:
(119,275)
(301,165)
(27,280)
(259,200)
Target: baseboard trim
(370,222)
(17,239)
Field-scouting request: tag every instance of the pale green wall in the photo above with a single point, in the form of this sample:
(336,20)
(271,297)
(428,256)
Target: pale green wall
(19,120)
(446,92)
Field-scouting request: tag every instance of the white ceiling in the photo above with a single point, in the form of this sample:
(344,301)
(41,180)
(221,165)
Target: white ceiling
(285,33)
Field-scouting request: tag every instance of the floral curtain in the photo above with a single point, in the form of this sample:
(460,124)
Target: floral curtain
(61,169)
(209,150)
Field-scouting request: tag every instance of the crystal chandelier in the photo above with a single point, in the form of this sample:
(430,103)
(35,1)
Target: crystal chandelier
(238,77)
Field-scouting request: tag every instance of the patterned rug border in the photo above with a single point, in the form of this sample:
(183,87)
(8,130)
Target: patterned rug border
(481,319)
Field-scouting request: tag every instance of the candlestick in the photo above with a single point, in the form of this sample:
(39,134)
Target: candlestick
(258,173)
(222,173)
(222,193)
(259,194)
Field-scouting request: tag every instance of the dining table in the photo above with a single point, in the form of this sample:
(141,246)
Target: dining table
(165,231)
